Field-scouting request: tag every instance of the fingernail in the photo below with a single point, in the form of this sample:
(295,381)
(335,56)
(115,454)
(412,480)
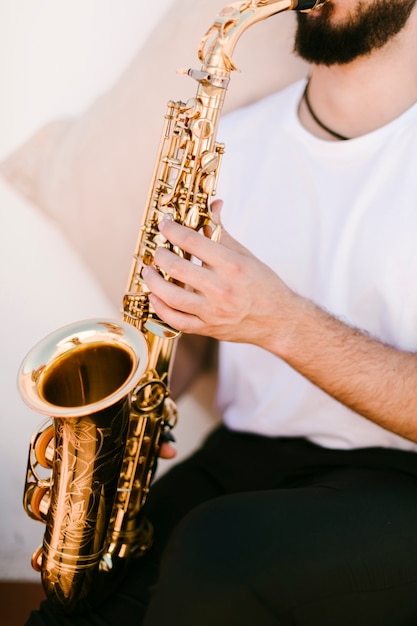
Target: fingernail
(164,222)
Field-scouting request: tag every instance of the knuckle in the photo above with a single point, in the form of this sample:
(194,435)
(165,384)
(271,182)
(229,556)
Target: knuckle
(235,268)
(188,238)
(160,255)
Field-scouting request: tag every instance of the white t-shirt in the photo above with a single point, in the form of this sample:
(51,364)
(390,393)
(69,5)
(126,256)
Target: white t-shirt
(337,221)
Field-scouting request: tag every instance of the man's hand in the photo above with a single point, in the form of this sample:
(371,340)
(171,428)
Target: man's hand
(167,451)
(231,296)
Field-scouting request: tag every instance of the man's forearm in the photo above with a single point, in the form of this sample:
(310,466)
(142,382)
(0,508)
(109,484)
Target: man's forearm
(372,378)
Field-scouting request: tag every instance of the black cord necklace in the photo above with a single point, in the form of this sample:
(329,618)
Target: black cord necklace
(316,119)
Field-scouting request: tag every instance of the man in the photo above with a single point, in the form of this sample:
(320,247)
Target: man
(301,509)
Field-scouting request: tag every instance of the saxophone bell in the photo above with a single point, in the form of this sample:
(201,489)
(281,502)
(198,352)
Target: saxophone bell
(82,376)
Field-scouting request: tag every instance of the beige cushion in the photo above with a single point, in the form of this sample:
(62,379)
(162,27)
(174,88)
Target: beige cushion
(92,173)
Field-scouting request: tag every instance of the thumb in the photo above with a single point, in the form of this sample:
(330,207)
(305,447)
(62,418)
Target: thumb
(223,236)
(214,231)
(219,233)
(215,209)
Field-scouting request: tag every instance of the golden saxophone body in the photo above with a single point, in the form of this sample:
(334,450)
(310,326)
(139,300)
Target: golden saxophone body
(105,384)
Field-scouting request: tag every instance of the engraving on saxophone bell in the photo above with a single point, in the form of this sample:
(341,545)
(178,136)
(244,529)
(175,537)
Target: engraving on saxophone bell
(84,375)
(105,384)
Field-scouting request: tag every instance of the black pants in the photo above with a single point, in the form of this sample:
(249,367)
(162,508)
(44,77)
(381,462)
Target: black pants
(273,532)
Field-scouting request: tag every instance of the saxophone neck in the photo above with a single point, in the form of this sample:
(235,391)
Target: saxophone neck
(217,46)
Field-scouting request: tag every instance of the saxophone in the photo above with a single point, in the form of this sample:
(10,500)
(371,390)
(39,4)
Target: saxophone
(104,384)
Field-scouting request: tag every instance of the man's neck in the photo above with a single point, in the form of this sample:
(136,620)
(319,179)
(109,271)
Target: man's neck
(359,97)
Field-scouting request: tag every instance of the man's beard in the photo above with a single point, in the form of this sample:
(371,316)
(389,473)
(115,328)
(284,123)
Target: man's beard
(319,41)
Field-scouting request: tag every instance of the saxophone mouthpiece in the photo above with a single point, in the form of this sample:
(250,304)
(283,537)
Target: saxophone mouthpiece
(309,5)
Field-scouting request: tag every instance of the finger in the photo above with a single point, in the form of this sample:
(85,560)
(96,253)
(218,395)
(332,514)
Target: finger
(184,322)
(188,240)
(174,295)
(182,270)
(216,208)
(196,245)
(214,230)
(226,239)
(167,451)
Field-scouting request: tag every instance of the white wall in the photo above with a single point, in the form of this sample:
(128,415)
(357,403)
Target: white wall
(56,56)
